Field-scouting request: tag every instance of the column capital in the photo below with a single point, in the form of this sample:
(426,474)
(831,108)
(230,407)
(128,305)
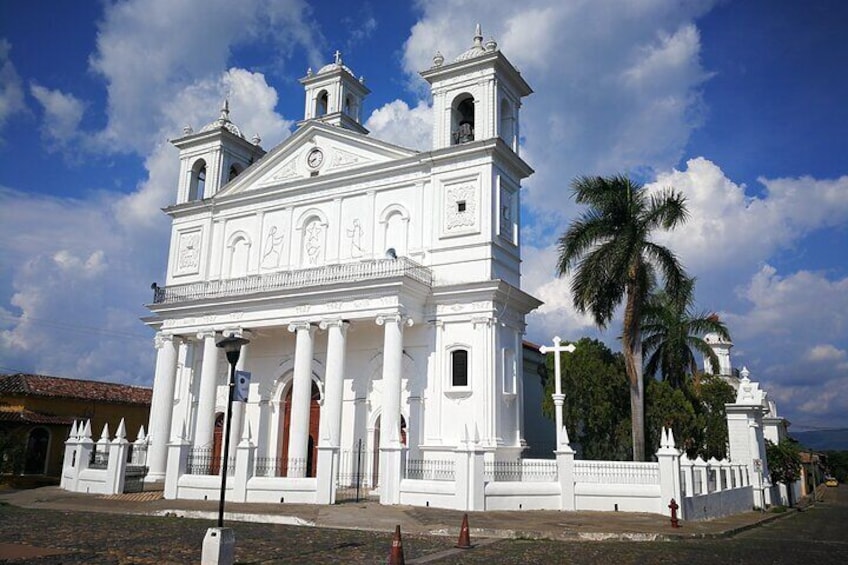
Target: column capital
(334,323)
(399,318)
(204,334)
(301,325)
(236,332)
(160,339)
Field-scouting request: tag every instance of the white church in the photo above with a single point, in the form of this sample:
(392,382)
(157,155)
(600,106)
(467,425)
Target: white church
(377,293)
(378,286)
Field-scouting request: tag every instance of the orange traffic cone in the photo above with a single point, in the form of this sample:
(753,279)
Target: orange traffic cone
(464,537)
(396,555)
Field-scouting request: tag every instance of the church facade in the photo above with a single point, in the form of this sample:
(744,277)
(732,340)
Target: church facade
(378,286)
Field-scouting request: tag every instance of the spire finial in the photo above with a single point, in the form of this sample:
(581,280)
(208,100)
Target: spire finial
(225,110)
(478,35)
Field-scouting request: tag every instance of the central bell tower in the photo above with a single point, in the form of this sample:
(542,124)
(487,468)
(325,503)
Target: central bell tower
(334,96)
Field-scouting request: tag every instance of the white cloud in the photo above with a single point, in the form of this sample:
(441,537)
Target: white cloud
(62,116)
(77,280)
(825,352)
(11,86)
(728,230)
(149,51)
(617,84)
(397,123)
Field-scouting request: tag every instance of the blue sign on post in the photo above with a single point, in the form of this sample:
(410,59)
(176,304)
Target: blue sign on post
(242,386)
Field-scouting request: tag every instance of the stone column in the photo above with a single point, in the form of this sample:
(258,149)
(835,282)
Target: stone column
(331,418)
(238,407)
(390,444)
(205,427)
(159,425)
(335,368)
(301,398)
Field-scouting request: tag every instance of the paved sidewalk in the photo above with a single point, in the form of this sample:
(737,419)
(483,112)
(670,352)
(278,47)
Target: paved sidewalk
(371,516)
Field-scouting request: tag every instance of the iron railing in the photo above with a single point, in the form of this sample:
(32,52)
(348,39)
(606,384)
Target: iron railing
(329,274)
(617,472)
(281,467)
(429,469)
(521,470)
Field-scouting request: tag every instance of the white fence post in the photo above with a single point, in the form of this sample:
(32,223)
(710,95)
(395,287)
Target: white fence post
(117,466)
(176,465)
(70,462)
(669,463)
(245,455)
(565,471)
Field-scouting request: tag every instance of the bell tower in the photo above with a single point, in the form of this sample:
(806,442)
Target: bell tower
(212,157)
(477,96)
(335,96)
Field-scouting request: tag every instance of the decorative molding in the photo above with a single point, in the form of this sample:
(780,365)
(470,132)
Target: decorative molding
(301,325)
(287,171)
(272,250)
(461,207)
(188,252)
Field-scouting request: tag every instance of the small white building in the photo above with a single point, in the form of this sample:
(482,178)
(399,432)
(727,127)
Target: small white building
(379,288)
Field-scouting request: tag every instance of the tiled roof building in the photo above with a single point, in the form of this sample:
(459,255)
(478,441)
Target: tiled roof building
(36,413)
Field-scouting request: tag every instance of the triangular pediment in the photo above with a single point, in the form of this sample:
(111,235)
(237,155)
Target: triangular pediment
(314,150)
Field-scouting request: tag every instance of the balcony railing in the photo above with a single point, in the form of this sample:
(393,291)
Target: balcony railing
(330,274)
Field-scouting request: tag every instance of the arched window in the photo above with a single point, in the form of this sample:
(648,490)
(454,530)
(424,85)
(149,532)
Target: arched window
(322,104)
(348,106)
(507,129)
(459,368)
(197,186)
(235,169)
(462,119)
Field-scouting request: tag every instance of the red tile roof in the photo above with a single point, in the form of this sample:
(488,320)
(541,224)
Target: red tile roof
(30,417)
(20,384)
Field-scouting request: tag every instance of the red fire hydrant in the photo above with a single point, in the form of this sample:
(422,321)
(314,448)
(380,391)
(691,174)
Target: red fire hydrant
(675,523)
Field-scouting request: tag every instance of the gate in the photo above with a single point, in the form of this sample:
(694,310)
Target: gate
(136,468)
(355,479)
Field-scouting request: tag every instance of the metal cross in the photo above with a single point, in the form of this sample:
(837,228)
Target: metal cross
(558,396)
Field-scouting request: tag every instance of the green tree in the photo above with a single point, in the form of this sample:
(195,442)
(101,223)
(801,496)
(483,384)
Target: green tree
(613,259)
(713,393)
(674,332)
(784,463)
(595,386)
(670,407)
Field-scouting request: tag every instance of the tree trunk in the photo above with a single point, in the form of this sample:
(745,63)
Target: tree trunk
(632,346)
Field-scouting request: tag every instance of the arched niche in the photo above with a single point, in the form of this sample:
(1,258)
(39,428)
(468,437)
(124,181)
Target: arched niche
(197,182)
(394,223)
(238,254)
(462,119)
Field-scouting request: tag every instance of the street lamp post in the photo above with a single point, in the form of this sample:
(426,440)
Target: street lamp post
(219,543)
(232,347)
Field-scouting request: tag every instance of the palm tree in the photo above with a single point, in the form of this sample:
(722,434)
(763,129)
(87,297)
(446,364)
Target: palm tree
(673,332)
(610,250)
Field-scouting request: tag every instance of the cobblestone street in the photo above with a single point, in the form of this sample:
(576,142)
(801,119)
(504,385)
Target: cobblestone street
(818,535)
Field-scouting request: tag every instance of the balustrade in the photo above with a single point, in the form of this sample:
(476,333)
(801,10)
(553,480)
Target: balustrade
(320,276)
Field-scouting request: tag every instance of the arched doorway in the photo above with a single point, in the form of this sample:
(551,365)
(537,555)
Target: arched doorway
(375,463)
(217,443)
(314,420)
(35,459)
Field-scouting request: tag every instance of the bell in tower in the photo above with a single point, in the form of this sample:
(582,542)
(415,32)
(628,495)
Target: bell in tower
(476,97)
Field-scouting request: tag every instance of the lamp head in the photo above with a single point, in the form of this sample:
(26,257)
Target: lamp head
(232,346)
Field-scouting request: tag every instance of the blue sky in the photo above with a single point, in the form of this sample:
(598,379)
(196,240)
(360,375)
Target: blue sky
(740,105)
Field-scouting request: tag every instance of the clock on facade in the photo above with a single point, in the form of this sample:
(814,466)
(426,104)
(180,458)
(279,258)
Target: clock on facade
(315,158)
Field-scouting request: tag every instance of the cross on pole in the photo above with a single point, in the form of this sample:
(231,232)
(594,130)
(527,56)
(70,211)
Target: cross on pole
(558,396)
